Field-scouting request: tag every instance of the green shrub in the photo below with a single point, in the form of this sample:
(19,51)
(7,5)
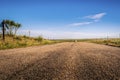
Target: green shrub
(17,38)
(22,44)
(7,45)
(26,37)
(39,39)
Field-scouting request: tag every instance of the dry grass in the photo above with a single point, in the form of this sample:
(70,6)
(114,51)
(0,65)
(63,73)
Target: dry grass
(22,41)
(111,42)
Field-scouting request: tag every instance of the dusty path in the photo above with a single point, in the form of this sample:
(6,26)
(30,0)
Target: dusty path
(63,61)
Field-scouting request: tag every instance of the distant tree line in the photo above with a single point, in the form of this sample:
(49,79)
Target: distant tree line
(9,27)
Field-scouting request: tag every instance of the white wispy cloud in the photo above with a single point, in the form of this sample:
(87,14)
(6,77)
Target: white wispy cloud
(80,23)
(96,17)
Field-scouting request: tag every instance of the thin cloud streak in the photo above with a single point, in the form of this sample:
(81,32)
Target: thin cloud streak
(95,17)
(80,23)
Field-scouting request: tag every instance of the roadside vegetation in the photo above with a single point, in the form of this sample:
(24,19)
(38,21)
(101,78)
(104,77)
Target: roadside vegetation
(23,41)
(10,39)
(111,42)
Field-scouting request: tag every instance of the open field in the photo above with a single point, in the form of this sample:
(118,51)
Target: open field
(62,61)
(111,41)
(25,41)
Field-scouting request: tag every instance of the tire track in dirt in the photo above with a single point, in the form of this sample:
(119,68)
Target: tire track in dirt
(24,58)
(97,65)
(69,67)
(46,68)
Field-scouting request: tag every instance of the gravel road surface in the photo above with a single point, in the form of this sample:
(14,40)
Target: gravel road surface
(62,61)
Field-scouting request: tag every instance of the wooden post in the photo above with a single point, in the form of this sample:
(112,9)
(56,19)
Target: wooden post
(3,30)
(29,33)
(119,35)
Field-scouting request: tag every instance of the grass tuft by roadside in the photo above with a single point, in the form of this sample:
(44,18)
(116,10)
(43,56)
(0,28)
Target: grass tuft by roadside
(110,42)
(23,41)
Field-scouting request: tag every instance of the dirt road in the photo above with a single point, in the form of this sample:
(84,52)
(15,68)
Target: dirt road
(62,61)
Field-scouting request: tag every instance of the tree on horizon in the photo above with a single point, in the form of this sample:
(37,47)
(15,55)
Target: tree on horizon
(10,26)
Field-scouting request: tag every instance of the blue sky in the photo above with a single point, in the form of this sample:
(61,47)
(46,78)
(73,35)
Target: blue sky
(64,18)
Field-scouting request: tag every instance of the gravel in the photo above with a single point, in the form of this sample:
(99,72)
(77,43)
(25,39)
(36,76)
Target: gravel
(61,61)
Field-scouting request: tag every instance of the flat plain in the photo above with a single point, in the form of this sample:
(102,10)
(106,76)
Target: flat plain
(61,61)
